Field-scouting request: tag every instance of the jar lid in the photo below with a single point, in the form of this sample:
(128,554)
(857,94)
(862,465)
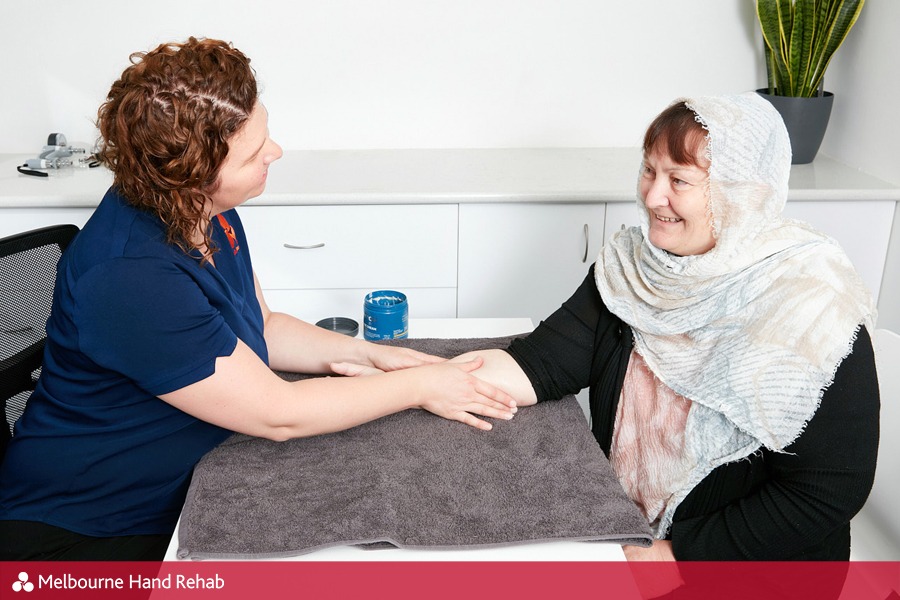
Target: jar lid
(343,325)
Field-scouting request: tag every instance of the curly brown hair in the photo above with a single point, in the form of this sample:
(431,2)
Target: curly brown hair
(165,126)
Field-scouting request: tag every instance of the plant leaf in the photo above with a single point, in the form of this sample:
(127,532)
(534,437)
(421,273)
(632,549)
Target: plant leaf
(801,44)
(768,13)
(842,15)
(800,37)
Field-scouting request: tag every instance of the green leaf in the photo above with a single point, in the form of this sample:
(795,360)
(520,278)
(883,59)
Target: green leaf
(801,43)
(842,16)
(800,37)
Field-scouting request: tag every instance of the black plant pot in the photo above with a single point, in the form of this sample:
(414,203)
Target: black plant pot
(806,120)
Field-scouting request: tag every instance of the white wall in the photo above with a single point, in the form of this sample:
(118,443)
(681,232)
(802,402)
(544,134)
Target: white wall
(451,73)
(395,73)
(864,75)
(865,126)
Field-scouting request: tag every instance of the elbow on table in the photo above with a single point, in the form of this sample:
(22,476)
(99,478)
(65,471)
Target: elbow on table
(275,429)
(282,431)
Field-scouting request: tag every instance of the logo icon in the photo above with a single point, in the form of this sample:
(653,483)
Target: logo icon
(23,585)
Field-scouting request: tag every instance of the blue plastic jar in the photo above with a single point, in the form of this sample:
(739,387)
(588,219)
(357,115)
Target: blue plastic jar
(385,315)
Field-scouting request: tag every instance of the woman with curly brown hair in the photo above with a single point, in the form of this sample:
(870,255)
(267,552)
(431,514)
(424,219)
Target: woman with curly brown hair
(160,343)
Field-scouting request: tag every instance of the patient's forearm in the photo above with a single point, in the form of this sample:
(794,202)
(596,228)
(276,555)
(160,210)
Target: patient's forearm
(502,371)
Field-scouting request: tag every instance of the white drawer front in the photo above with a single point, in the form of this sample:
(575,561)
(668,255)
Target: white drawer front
(375,247)
(862,228)
(524,260)
(313,305)
(18,220)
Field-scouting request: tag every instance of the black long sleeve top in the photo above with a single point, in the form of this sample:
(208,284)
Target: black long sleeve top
(794,505)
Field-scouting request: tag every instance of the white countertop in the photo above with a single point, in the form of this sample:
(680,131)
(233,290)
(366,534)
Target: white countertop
(423,176)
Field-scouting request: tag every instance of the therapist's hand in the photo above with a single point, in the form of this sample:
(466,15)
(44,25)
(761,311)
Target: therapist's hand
(354,369)
(392,358)
(385,358)
(449,390)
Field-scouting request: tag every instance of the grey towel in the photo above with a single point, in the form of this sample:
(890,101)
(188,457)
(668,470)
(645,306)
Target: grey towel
(412,480)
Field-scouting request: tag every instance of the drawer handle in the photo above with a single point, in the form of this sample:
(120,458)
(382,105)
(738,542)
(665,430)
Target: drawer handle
(310,247)
(587,239)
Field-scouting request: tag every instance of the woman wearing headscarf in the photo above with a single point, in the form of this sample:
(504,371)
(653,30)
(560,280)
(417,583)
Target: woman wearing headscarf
(726,348)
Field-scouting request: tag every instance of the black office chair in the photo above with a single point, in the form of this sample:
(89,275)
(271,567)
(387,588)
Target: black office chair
(27,277)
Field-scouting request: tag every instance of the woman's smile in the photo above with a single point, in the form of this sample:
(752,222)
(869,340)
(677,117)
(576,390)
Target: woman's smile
(667,219)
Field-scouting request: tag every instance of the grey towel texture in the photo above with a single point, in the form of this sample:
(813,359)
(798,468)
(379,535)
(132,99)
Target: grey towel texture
(412,480)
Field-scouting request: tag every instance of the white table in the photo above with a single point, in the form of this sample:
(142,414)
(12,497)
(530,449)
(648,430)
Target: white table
(546,551)
(467,328)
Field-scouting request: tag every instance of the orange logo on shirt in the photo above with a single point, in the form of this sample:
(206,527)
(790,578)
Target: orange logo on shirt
(229,233)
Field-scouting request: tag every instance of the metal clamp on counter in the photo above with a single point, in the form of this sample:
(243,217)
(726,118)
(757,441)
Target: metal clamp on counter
(56,154)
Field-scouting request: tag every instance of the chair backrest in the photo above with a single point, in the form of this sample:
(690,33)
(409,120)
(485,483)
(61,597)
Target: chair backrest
(27,277)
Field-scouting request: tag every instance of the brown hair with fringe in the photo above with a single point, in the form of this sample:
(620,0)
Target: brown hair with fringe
(165,126)
(677,131)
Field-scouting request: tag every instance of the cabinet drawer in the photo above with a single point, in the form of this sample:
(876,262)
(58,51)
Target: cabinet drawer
(17,220)
(619,215)
(862,228)
(372,247)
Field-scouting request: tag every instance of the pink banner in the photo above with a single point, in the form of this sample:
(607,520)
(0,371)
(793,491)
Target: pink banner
(451,580)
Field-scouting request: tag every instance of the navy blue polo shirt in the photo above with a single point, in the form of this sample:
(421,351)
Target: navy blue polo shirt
(133,317)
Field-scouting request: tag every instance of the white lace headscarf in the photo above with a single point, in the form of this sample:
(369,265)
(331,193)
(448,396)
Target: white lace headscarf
(753,330)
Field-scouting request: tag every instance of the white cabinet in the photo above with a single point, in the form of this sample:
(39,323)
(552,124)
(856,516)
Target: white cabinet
(524,260)
(619,215)
(17,220)
(321,261)
(463,232)
(862,228)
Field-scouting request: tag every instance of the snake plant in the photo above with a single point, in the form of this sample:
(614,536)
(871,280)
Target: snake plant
(800,37)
